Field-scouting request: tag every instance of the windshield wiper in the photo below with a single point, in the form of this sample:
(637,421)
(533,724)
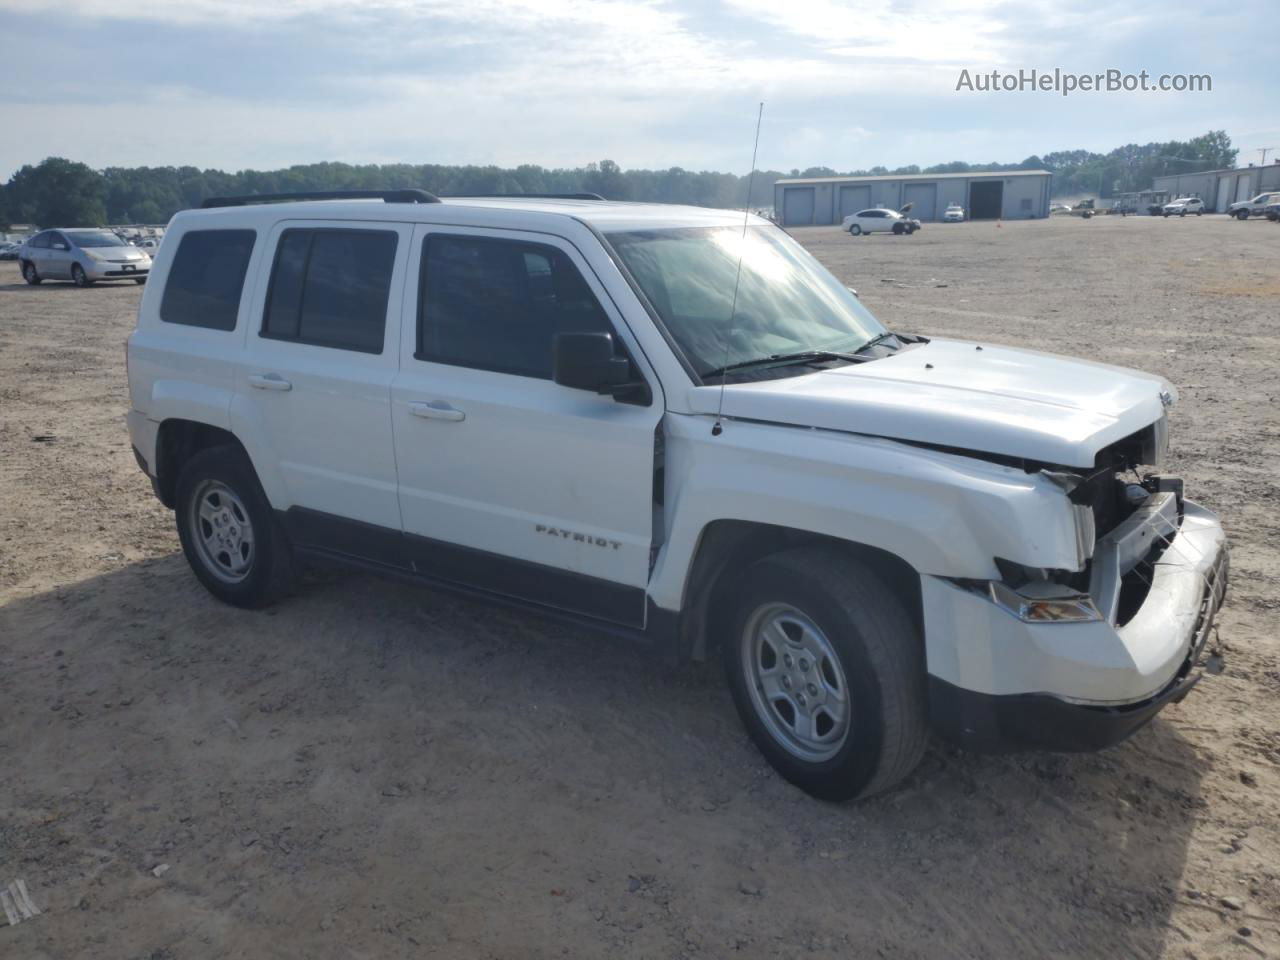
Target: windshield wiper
(782,359)
(878,338)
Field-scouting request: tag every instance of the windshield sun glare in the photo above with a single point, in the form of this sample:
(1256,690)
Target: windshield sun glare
(787,302)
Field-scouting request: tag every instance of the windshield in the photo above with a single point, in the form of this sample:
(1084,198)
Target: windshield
(94,238)
(787,301)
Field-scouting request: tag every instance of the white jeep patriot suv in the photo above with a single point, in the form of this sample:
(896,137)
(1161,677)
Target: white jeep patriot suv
(679,428)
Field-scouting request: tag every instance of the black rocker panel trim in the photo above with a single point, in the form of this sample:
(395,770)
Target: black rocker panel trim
(465,567)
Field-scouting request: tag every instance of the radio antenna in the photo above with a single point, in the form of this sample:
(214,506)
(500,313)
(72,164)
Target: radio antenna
(718,427)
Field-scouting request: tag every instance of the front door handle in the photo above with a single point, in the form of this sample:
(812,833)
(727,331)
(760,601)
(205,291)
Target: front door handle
(269,381)
(436,410)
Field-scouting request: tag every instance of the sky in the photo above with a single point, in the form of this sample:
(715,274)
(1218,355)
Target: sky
(262,84)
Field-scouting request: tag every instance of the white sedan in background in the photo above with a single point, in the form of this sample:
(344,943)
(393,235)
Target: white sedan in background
(878,220)
(953,214)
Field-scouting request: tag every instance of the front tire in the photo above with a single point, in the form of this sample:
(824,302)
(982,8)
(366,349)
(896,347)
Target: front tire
(78,276)
(30,274)
(228,531)
(899,229)
(1242,214)
(826,670)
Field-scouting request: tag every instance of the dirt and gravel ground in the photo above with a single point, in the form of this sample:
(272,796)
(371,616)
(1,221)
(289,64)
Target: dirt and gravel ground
(373,770)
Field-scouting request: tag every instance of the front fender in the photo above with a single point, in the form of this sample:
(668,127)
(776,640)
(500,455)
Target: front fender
(943,514)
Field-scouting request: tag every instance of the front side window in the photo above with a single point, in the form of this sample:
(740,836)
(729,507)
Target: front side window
(206,278)
(329,288)
(786,301)
(497,305)
(95,238)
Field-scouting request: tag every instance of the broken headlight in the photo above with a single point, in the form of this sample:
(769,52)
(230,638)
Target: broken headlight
(1043,601)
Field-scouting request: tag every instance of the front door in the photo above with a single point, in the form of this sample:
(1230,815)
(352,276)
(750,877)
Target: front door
(509,481)
(314,390)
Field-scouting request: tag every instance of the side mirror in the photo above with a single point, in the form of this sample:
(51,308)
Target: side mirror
(586,361)
(853,291)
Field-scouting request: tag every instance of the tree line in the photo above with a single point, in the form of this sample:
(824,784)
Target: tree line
(63,192)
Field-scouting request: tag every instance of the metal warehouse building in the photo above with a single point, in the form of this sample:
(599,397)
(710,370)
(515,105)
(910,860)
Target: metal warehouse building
(985,195)
(1221,188)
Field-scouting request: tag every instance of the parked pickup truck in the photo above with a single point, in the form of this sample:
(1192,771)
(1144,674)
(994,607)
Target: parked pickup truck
(675,427)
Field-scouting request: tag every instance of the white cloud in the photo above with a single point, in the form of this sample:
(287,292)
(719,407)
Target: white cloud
(645,82)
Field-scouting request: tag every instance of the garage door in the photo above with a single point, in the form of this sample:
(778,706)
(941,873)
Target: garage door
(986,199)
(797,206)
(853,199)
(1224,195)
(923,198)
(1243,191)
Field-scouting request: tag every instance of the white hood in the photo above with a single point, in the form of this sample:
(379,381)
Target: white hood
(1016,403)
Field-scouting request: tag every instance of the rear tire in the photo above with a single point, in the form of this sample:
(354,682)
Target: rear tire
(826,670)
(855,230)
(228,530)
(30,275)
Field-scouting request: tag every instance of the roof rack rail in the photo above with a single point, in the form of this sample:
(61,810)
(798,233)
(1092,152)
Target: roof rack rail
(530,196)
(387,196)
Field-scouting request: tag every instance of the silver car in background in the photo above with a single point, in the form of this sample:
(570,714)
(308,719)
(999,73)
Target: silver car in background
(83,256)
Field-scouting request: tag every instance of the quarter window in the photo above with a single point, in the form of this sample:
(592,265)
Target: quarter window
(330,288)
(206,279)
(497,304)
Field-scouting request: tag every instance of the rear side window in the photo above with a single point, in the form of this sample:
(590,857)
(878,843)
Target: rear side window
(330,287)
(497,304)
(206,278)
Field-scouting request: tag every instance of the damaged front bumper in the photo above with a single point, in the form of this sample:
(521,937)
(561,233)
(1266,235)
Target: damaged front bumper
(999,683)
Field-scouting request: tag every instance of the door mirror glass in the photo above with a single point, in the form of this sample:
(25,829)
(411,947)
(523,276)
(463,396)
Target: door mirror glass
(587,361)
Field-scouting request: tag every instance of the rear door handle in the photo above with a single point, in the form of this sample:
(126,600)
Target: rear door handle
(269,381)
(436,410)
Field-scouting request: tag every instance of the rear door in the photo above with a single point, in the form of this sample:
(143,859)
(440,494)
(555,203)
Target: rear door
(508,481)
(314,391)
(56,262)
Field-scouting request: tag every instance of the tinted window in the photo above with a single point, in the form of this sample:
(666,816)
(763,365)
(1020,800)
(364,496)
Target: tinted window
(206,278)
(330,288)
(497,304)
(40,241)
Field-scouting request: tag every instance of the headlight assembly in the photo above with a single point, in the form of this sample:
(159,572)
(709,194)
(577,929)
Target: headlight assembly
(1043,601)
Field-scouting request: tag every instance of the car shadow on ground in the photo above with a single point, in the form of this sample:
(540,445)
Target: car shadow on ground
(127,284)
(424,766)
